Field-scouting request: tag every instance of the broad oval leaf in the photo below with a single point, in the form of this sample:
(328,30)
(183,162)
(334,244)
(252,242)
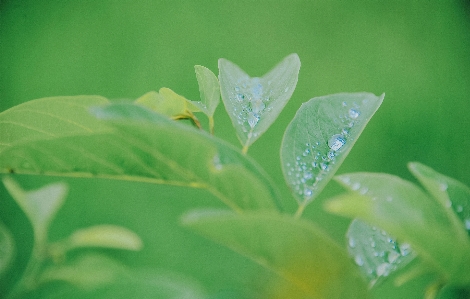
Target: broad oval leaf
(295,249)
(7,248)
(209,90)
(375,252)
(106,236)
(144,146)
(253,104)
(48,118)
(404,211)
(320,137)
(450,193)
(40,206)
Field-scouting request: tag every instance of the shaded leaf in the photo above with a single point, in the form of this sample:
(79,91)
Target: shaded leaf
(451,194)
(320,137)
(403,210)
(49,118)
(253,104)
(375,252)
(40,206)
(107,236)
(148,147)
(209,90)
(7,248)
(296,250)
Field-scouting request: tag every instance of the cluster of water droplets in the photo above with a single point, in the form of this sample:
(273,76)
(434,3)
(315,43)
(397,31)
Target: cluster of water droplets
(461,209)
(377,253)
(250,100)
(314,163)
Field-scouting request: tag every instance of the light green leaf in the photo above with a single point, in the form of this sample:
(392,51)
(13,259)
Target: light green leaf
(49,118)
(375,252)
(40,206)
(148,147)
(209,90)
(296,250)
(320,137)
(453,196)
(253,104)
(88,272)
(107,236)
(404,211)
(7,248)
(169,103)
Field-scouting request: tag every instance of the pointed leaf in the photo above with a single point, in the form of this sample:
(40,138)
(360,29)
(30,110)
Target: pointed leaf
(147,147)
(209,90)
(7,248)
(403,210)
(40,206)
(253,104)
(451,194)
(375,252)
(296,250)
(107,236)
(320,137)
(49,118)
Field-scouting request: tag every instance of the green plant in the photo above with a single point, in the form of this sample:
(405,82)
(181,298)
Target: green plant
(88,136)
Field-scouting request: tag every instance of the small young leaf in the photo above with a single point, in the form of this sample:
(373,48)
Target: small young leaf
(404,211)
(320,137)
(107,236)
(209,90)
(296,250)
(7,248)
(40,206)
(253,104)
(375,252)
(169,103)
(49,118)
(451,194)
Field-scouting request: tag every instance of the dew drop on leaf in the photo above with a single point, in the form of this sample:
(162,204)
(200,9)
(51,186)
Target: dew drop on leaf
(336,142)
(353,113)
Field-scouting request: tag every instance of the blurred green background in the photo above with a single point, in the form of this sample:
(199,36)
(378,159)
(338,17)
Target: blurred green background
(417,52)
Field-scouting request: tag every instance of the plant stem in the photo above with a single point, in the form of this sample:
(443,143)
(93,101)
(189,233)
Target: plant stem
(300,210)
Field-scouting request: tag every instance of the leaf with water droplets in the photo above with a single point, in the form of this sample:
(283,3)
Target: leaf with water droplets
(451,194)
(7,248)
(375,252)
(404,211)
(297,250)
(40,206)
(253,104)
(320,137)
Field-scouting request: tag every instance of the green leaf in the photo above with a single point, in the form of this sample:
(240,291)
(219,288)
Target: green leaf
(209,90)
(404,211)
(148,147)
(106,236)
(7,248)
(169,103)
(49,118)
(253,104)
(296,250)
(320,137)
(453,196)
(375,252)
(40,206)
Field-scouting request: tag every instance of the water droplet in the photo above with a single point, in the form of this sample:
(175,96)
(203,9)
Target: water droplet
(308,175)
(467,224)
(331,155)
(405,249)
(448,204)
(459,209)
(286,89)
(355,186)
(443,186)
(252,119)
(353,113)
(363,190)
(372,244)
(216,162)
(336,142)
(359,261)
(344,104)
(257,106)
(392,256)
(324,166)
(352,242)
(345,131)
(314,164)
(240,97)
(308,192)
(383,269)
